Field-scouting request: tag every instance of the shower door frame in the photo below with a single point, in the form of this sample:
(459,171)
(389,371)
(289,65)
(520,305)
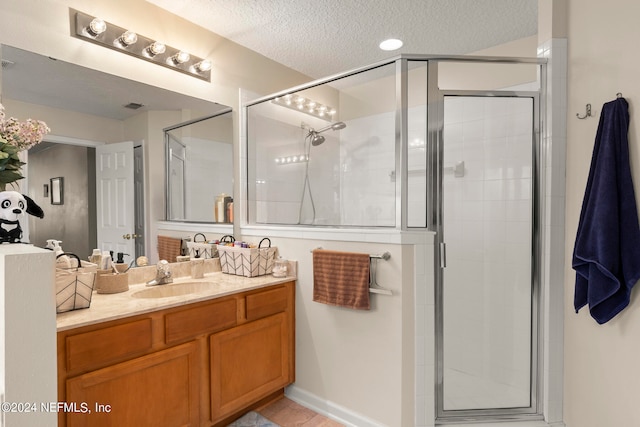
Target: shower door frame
(171,158)
(436,153)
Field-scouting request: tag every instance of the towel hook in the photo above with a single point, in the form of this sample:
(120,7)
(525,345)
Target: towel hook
(587,113)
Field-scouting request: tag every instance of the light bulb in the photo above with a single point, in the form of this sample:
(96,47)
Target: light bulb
(128,38)
(181,57)
(97,26)
(156,48)
(202,66)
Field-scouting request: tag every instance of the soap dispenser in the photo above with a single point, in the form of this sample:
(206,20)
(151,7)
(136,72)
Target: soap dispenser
(96,257)
(120,264)
(53,244)
(120,259)
(62,261)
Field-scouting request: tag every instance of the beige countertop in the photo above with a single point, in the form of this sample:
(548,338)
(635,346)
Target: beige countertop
(106,307)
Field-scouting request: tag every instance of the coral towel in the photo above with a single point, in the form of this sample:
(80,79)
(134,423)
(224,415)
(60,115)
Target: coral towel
(341,278)
(169,248)
(606,255)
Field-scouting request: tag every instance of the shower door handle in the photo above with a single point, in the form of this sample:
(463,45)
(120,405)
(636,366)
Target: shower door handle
(443,255)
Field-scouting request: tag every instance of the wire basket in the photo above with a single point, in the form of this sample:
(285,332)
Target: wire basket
(248,262)
(74,286)
(201,249)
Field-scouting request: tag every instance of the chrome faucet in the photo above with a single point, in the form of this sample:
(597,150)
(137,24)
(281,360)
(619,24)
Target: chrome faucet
(163,274)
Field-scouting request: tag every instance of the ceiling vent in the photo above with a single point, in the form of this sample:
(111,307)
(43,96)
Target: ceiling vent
(133,106)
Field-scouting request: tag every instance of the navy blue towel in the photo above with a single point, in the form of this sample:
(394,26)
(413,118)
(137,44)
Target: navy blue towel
(606,255)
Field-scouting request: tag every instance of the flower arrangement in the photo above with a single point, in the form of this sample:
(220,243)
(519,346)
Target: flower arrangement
(16,136)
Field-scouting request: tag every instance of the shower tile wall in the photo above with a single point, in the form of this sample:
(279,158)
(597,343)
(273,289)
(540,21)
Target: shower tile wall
(368,166)
(351,174)
(487,225)
(278,188)
(368,171)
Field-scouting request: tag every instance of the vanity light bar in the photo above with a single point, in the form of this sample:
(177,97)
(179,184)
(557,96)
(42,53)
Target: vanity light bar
(305,105)
(95,30)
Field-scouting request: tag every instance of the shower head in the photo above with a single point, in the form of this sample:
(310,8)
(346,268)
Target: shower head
(317,139)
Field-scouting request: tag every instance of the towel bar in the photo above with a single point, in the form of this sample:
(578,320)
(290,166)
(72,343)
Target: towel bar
(374,288)
(373,284)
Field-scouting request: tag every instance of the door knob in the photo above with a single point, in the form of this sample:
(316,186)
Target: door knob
(126,236)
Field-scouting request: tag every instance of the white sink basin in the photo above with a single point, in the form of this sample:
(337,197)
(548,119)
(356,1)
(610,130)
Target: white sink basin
(173,290)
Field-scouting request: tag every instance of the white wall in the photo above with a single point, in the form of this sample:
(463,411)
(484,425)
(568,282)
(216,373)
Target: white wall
(601,362)
(359,366)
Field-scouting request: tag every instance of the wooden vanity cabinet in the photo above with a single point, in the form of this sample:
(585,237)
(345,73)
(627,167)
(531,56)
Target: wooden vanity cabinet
(202,364)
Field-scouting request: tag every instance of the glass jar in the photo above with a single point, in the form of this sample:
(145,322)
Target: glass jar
(280,268)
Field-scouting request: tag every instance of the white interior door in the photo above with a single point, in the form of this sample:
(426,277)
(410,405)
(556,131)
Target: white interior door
(115,197)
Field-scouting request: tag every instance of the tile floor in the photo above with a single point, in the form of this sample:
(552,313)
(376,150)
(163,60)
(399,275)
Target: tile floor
(287,413)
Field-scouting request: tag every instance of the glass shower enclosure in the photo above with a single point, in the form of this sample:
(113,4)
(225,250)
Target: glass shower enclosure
(449,145)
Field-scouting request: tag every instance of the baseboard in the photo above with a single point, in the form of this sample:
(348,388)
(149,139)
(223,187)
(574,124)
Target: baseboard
(329,409)
(350,418)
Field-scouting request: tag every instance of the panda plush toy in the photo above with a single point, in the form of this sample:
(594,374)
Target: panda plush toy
(12,206)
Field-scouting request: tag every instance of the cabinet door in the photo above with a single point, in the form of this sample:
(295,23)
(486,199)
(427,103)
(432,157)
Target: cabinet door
(248,363)
(160,389)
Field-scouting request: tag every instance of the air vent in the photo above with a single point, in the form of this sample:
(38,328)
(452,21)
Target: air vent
(133,105)
(7,64)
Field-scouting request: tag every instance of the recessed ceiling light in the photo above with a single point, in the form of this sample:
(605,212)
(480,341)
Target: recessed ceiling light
(391,44)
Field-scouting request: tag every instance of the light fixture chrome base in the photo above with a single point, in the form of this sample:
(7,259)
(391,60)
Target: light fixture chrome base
(111,38)
(305,105)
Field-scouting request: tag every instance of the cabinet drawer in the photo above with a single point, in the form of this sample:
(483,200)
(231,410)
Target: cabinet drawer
(98,348)
(266,303)
(206,319)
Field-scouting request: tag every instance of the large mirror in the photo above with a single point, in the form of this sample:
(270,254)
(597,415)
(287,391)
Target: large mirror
(87,110)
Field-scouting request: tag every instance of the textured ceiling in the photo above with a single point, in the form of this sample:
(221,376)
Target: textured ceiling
(324,37)
(318,38)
